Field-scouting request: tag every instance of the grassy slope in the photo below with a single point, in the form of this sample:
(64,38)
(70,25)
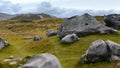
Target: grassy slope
(69,55)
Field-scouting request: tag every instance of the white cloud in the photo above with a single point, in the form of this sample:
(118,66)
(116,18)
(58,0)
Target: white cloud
(9,7)
(60,8)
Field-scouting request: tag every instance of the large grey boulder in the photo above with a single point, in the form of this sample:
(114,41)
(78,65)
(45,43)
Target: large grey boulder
(98,51)
(69,38)
(112,20)
(50,33)
(3,43)
(83,25)
(43,61)
(102,51)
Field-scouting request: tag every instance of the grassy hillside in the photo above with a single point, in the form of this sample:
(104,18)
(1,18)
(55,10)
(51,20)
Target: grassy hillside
(68,54)
(29,17)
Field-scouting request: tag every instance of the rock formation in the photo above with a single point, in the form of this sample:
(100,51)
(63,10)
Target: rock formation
(83,25)
(102,51)
(112,20)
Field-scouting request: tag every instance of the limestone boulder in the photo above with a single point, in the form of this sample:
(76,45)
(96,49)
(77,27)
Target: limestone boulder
(43,61)
(83,25)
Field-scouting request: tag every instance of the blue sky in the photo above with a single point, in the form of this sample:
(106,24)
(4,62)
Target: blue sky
(60,8)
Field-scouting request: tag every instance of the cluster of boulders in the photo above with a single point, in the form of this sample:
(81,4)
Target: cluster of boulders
(102,51)
(70,31)
(85,25)
(42,61)
(81,26)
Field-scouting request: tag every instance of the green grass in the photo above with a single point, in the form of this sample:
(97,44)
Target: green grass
(100,18)
(68,54)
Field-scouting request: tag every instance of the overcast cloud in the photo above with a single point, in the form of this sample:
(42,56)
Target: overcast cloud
(60,8)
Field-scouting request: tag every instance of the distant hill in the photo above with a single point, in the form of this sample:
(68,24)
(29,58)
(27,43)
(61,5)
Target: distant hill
(4,16)
(31,16)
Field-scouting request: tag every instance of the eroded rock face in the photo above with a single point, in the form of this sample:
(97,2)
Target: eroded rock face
(43,61)
(102,51)
(83,25)
(50,33)
(69,38)
(3,43)
(113,20)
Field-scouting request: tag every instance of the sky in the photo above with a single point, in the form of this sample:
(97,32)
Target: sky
(60,8)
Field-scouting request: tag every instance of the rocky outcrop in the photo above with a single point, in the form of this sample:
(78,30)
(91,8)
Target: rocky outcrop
(43,61)
(3,43)
(102,51)
(69,38)
(83,25)
(112,20)
(50,33)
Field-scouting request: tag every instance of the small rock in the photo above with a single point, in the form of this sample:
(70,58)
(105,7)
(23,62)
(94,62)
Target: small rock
(13,63)
(69,38)
(50,33)
(18,59)
(6,43)
(28,37)
(114,58)
(7,60)
(3,43)
(11,57)
(36,38)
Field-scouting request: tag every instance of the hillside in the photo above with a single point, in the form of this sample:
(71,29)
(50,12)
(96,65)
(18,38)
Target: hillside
(68,54)
(31,16)
(4,16)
